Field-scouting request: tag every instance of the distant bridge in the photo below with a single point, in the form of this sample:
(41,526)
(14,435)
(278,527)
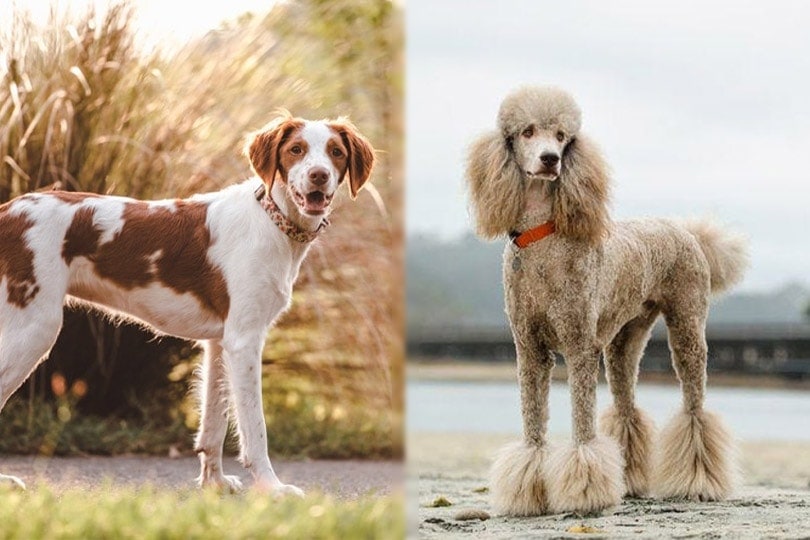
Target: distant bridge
(750,349)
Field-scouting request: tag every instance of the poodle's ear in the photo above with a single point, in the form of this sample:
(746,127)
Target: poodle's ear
(497,190)
(263,145)
(580,195)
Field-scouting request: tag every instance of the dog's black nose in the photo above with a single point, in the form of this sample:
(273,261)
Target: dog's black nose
(549,159)
(318,175)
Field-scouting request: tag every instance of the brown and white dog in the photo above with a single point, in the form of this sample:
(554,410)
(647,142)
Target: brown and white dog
(217,268)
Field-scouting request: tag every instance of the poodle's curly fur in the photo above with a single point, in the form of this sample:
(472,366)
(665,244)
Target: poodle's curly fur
(594,288)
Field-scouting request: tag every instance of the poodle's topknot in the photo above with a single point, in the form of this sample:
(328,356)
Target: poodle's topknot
(543,106)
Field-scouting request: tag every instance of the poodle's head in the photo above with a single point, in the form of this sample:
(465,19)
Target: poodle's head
(538,123)
(538,141)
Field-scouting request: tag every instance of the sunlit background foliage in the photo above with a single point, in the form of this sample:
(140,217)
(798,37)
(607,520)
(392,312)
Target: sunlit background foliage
(83,107)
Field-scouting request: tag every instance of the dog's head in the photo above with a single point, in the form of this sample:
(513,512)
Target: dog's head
(312,158)
(538,140)
(538,124)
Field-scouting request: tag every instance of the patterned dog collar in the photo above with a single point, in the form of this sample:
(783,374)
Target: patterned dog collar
(283,222)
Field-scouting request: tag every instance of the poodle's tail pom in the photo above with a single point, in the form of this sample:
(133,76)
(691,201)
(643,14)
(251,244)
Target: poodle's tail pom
(726,252)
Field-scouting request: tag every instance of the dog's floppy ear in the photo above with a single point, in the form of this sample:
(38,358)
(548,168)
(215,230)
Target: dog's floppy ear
(580,195)
(263,146)
(361,154)
(497,189)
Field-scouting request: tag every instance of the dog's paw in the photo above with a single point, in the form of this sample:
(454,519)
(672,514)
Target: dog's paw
(231,483)
(11,482)
(585,478)
(696,458)
(277,489)
(225,483)
(288,490)
(516,480)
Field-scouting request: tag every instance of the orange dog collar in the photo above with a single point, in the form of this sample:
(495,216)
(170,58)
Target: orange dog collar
(533,235)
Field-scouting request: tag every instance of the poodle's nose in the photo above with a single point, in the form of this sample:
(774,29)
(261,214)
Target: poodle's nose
(549,159)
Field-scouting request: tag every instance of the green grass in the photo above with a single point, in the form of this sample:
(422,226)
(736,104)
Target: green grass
(302,422)
(49,429)
(148,513)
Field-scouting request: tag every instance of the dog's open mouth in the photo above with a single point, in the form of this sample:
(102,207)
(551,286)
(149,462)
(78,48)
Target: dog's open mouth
(547,175)
(313,203)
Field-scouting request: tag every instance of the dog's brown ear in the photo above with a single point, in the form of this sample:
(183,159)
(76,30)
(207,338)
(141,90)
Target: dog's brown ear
(496,187)
(580,195)
(263,146)
(361,155)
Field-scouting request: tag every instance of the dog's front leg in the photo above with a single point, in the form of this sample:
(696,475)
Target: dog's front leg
(586,475)
(243,359)
(214,420)
(516,477)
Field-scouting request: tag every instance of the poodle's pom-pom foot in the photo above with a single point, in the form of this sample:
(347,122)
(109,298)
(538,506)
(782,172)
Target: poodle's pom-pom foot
(585,478)
(696,458)
(634,433)
(516,480)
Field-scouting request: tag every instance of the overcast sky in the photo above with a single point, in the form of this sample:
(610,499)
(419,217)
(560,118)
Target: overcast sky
(702,108)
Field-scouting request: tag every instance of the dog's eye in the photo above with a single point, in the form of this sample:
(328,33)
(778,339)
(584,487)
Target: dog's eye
(560,136)
(296,150)
(337,152)
(528,132)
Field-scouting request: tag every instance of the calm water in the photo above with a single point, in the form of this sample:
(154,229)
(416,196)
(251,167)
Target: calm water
(494,407)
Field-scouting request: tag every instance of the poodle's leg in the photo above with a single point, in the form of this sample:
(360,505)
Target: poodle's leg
(516,476)
(214,404)
(585,476)
(624,421)
(695,458)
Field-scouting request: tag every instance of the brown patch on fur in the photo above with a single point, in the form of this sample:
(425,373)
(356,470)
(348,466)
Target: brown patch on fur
(264,146)
(580,194)
(340,162)
(286,158)
(81,238)
(16,258)
(72,197)
(155,244)
(361,154)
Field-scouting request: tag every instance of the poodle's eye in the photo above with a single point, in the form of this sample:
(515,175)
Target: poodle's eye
(528,132)
(296,150)
(560,136)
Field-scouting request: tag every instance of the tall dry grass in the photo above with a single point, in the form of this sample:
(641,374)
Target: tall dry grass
(83,107)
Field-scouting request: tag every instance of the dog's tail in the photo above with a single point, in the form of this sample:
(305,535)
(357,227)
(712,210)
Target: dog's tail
(726,252)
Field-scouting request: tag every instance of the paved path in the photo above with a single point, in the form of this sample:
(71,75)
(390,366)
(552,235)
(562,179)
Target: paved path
(344,479)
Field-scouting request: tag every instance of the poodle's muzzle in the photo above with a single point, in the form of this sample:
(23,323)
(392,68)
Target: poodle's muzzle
(539,156)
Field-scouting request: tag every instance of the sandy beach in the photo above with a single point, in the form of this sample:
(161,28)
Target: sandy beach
(773,501)
(449,457)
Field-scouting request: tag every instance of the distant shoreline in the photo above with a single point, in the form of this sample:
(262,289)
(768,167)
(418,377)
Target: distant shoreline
(423,369)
